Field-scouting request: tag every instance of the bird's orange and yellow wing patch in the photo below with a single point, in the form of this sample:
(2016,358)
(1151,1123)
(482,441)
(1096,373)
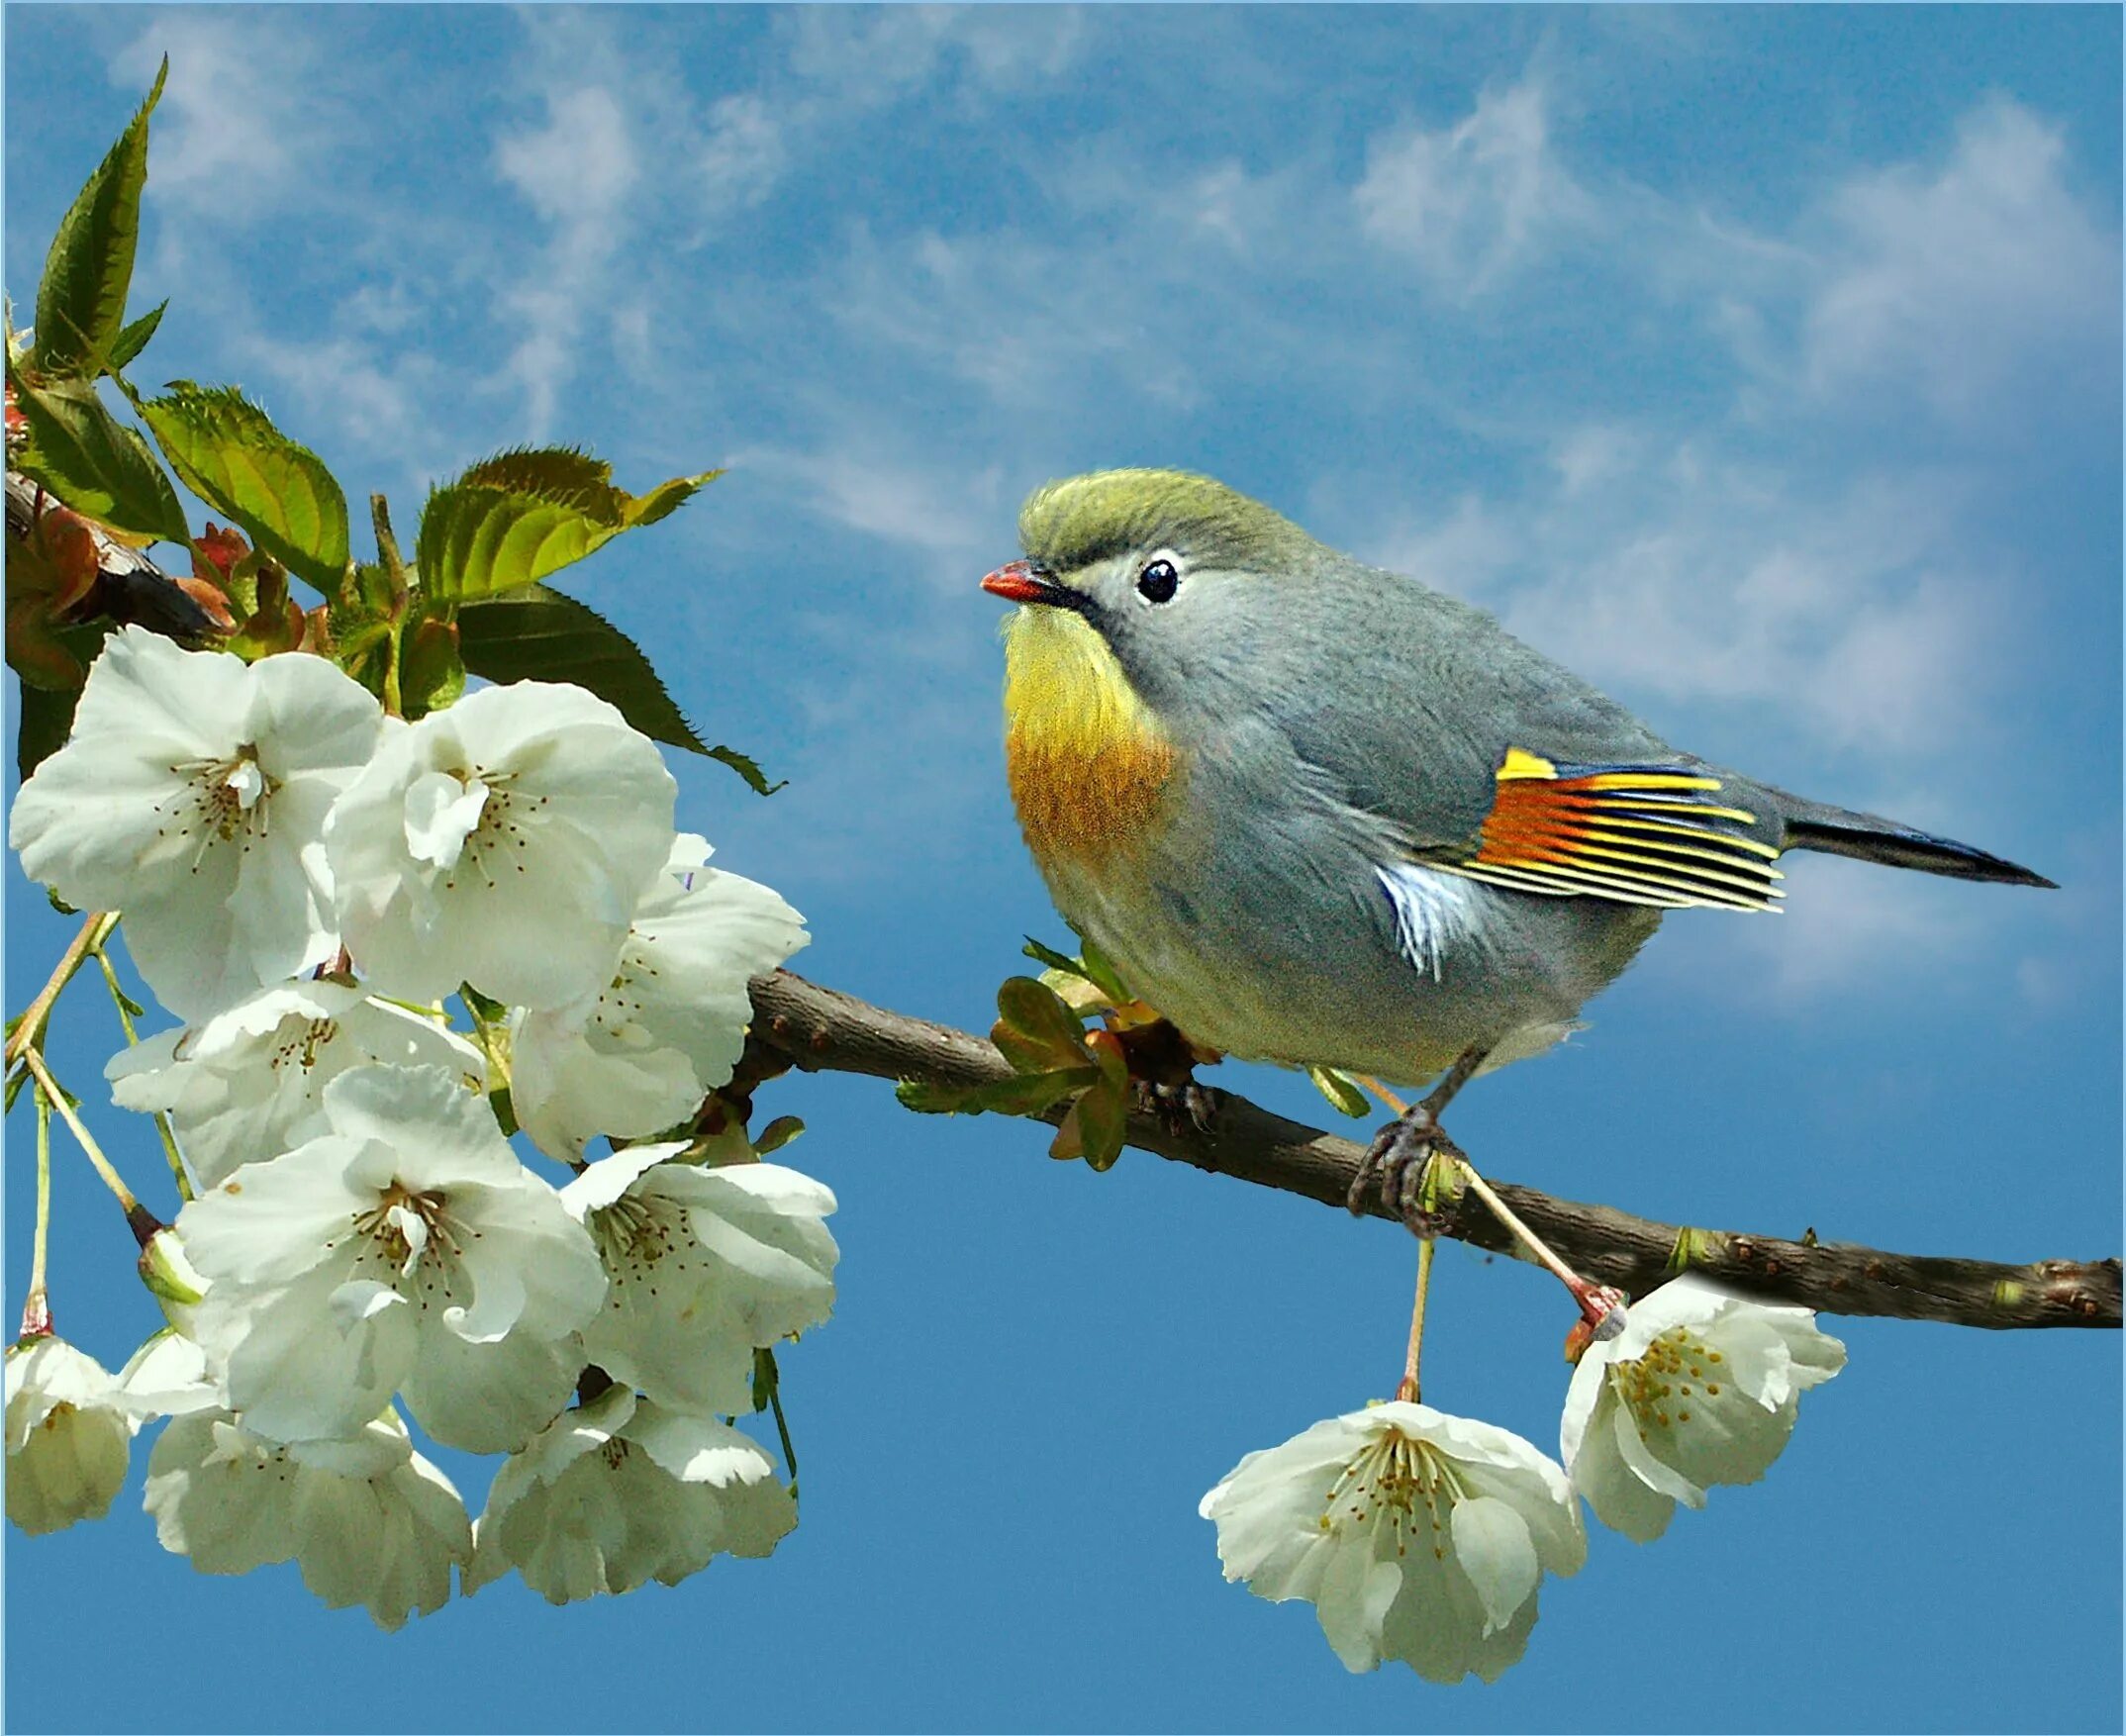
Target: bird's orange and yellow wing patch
(1636,834)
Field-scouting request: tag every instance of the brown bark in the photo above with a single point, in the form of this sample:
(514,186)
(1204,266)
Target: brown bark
(821,1030)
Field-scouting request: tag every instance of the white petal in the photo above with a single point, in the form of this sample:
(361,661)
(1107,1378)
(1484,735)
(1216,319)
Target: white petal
(441,813)
(1621,1498)
(1491,1541)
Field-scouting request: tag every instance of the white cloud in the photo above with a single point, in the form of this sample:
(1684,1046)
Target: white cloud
(1959,281)
(745,152)
(242,117)
(1471,202)
(578,170)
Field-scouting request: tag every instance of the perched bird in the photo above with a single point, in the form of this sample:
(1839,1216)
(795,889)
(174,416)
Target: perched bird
(1320,813)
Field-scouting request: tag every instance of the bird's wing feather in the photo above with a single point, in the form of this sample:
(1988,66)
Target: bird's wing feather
(1642,835)
(1484,757)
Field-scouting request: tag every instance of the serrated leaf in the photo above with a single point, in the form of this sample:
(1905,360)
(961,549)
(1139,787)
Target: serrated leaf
(519,516)
(1342,1092)
(1025,1094)
(667,498)
(94,462)
(552,472)
(133,338)
(542,634)
(479,542)
(226,450)
(43,720)
(81,298)
(1036,1011)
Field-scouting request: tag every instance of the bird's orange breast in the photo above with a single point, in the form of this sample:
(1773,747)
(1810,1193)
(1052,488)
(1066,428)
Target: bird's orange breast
(1092,771)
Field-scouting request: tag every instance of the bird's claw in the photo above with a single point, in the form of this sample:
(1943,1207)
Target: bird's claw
(1180,1108)
(1395,1169)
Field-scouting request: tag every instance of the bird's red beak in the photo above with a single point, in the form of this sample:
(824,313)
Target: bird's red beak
(1018,582)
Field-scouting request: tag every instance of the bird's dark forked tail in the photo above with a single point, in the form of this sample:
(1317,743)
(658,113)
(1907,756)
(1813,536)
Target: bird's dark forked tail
(1839,831)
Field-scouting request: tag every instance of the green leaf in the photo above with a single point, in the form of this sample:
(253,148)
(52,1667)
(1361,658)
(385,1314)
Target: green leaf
(81,299)
(776,1135)
(555,473)
(94,462)
(1037,1012)
(226,450)
(432,672)
(1054,960)
(1102,971)
(1342,1092)
(1103,1122)
(1025,1094)
(43,720)
(540,634)
(514,518)
(133,338)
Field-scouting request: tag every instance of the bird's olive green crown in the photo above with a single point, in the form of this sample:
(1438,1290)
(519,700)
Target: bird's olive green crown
(1071,525)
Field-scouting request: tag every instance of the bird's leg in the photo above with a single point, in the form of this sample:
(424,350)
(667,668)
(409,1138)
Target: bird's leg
(1162,1075)
(1397,1160)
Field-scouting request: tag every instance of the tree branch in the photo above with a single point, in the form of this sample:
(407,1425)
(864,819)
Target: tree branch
(821,1030)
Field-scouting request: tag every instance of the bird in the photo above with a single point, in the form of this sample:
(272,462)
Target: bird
(1318,813)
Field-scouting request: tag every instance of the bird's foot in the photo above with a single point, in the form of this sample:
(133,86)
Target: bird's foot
(1395,1169)
(1162,1077)
(1188,1106)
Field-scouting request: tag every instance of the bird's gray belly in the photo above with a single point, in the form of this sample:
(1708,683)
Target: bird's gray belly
(1284,945)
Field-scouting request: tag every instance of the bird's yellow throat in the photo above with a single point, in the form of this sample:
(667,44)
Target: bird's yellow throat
(1090,765)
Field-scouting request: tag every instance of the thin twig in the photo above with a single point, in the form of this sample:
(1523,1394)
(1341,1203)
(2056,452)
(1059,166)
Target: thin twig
(95,929)
(815,1028)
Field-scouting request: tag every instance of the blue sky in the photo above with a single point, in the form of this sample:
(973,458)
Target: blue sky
(1763,365)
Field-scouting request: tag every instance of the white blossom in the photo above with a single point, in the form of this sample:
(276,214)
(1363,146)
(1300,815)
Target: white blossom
(249,1082)
(167,1377)
(69,1435)
(636,1055)
(1415,1534)
(367,1519)
(502,841)
(705,1265)
(619,1492)
(192,794)
(407,1248)
(1701,1388)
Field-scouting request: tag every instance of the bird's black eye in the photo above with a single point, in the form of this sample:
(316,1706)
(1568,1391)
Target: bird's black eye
(1158,582)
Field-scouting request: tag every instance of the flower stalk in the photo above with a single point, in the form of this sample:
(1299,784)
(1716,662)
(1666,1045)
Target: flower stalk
(52,1092)
(37,1306)
(95,929)
(164,1131)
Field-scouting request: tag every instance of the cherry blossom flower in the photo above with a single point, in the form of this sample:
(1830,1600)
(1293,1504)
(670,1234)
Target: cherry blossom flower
(249,1084)
(69,1435)
(503,842)
(367,1519)
(619,1492)
(1415,1534)
(704,1266)
(635,1057)
(407,1248)
(1701,1388)
(192,794)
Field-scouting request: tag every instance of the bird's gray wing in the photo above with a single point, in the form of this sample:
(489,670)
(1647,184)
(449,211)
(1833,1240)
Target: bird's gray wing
(1480,755)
